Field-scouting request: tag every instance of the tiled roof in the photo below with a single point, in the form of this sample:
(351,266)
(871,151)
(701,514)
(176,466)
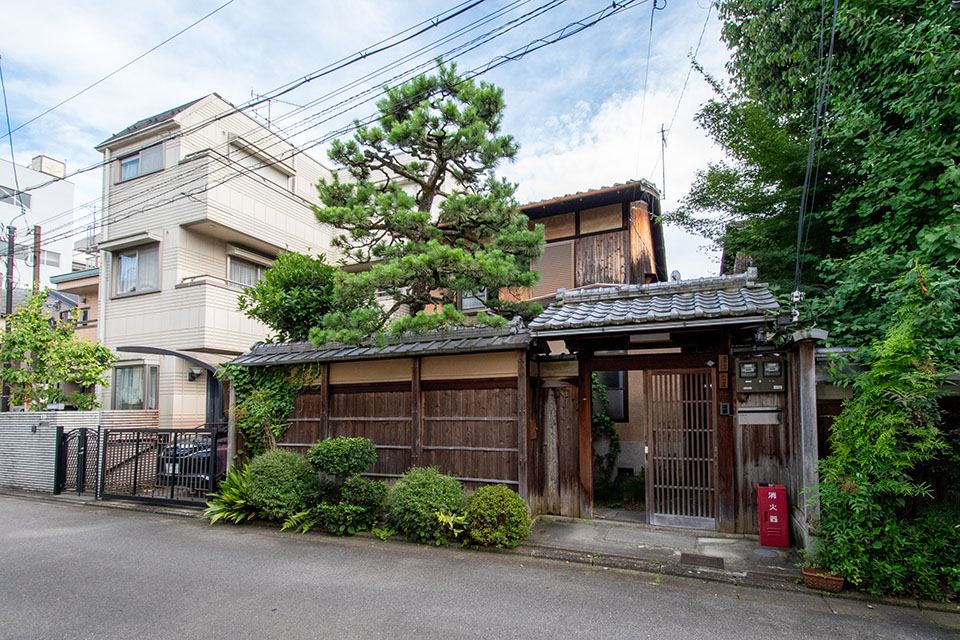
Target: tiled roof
(724,297)
(149,122)
(457,340)
(615,187)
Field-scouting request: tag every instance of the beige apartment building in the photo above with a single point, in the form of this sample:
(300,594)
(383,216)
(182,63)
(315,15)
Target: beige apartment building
(197,203)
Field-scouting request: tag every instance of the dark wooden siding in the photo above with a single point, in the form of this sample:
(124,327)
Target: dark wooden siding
(601,258)
(466,428)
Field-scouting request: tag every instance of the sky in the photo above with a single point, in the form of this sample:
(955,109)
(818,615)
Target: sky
(586,111)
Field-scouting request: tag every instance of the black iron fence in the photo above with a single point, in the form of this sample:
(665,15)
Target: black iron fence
(178,466)
(77,460)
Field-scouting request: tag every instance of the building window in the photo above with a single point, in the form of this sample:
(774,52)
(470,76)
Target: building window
(137,269)
(49,258)
(17,199)
(470,301)
(243,273)
(616,384)
(135,387)
(141,163)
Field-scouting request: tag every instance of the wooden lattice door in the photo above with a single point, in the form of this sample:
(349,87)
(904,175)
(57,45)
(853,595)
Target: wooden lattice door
(682,459)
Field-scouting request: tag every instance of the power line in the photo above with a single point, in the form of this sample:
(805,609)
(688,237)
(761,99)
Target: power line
(118,70)
(362,54)
(814,139)
(17,195)
(373,91)
(552,38)
(646,75)
(683,89)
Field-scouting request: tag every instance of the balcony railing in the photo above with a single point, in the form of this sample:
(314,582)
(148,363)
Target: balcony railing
(206,278)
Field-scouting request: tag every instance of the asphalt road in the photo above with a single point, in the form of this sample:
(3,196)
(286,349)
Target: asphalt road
(71,571)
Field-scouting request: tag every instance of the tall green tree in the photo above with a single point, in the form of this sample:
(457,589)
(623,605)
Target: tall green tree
(421,205)
(886,169)
(46,354)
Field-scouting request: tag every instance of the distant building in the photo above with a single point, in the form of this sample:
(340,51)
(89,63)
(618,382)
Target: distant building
(40,198)
(197,203)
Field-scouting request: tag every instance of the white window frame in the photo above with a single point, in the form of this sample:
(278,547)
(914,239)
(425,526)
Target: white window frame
(128,160)
(139,287)
(231,260)
(150,381)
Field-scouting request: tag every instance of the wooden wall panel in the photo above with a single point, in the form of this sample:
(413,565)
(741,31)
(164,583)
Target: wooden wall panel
(601,258)
(761,453)
(568,440)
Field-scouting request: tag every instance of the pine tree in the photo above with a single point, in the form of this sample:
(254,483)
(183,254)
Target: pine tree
(423,208)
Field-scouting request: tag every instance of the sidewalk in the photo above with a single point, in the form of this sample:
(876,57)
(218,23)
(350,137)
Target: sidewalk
(729,558)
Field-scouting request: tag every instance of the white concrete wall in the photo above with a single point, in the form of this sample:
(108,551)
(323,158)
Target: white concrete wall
(45,202)
(195,310)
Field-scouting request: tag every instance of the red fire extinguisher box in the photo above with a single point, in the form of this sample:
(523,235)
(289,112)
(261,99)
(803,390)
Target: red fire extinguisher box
(774,518)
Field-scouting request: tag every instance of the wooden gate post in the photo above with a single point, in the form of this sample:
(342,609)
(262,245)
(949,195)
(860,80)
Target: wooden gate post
(523,392)
(809,452)
(585,433)
(416,416)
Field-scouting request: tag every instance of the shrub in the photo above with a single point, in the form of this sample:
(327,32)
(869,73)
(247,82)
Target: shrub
(364,492)
(281,484)
(232,502)
(497,516)
(343,456)
(416,497)
(342,518)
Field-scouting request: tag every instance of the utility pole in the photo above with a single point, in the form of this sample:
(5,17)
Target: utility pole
(36,259)
(663,160)
(11,238)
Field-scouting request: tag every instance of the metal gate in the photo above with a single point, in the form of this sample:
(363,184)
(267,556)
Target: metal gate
(176,466)
(682,463)
(77,457)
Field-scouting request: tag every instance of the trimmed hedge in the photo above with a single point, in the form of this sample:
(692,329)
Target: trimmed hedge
(343,456)
(497,516)
(416,498)
(281,483)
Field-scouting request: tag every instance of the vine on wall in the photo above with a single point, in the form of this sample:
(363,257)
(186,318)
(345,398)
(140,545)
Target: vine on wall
(265,399)
(603,428)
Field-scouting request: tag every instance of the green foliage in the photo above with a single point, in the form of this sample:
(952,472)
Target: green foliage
(293,295)
(875,527)
(416,497)
(231,502)
(265,399)
(440,133)
(301,521)
(497,516)
(888,175)
(364,492)
(47,355)
(455,524)
(603,428)
(343,518)
(343,456)
(383,531)
(624,491)
(281,484)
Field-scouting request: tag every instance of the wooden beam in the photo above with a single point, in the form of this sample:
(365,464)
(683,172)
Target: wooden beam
(324,401)
(725,454)
(645,362)
(416,414)
(523,398)
(585,434)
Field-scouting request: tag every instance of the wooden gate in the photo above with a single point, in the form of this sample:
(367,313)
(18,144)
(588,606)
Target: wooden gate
(682,457)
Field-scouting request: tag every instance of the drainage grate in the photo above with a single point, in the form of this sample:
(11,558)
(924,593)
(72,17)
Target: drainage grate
(696,559)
